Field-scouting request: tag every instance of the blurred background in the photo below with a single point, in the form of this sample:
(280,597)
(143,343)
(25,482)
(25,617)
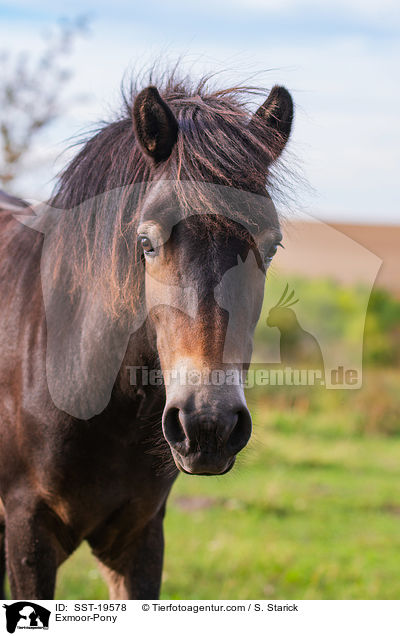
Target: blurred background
(312,509)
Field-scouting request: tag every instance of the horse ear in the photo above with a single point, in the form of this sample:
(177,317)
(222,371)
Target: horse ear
(272,122)
(155,124)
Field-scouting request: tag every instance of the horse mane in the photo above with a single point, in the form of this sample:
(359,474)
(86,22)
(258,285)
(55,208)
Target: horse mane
(215,145)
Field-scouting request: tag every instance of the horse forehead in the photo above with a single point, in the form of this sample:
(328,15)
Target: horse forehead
(169,202)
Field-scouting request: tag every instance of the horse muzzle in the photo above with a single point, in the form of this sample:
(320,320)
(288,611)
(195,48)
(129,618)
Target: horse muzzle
(206,441)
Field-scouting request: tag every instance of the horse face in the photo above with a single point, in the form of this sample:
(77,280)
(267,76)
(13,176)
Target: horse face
(205,279)
(204,287)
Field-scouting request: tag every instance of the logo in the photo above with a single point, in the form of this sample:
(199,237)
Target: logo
(26,615)
(322,334)
(298,347)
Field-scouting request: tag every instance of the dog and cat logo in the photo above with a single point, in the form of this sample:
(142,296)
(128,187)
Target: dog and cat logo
(26,615)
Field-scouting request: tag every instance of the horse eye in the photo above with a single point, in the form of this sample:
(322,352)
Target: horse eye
(272,251)
(146,244)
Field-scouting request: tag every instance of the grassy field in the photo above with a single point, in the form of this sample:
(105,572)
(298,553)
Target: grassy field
(311,511)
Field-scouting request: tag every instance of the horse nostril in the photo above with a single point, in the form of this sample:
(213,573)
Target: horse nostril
(201,432)
(173,430)
(241,432)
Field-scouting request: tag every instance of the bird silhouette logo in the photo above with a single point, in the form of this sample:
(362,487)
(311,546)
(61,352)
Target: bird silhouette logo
(299,349)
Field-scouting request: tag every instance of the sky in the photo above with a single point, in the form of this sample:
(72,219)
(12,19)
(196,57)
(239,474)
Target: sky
(339,59)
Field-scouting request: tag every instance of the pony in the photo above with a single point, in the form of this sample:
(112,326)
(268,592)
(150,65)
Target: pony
(125,274)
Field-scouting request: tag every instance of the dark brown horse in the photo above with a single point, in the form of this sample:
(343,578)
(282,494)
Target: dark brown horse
(124,270)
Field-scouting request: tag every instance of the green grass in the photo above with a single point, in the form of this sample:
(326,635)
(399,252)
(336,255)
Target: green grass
(311,511)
